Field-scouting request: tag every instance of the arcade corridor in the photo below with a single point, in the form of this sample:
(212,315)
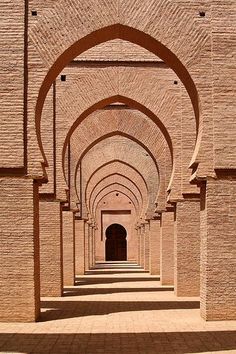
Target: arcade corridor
(117,308)
(117,176)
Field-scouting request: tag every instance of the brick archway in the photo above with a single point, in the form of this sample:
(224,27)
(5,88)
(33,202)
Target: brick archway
(104,34)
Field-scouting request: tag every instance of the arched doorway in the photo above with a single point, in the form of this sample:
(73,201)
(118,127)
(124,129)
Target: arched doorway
(116,243)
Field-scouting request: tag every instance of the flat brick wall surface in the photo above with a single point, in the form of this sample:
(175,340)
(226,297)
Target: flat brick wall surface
(12,75)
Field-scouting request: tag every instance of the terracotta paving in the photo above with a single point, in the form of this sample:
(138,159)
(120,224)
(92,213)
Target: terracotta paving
(118,308)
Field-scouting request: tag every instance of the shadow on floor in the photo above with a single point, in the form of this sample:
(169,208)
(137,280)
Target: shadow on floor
(102,291)
(122,343)
(56,310)
(107,280)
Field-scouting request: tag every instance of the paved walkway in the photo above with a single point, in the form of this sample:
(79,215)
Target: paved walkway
(119,309)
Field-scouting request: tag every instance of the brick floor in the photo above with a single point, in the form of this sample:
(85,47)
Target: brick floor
(118,308)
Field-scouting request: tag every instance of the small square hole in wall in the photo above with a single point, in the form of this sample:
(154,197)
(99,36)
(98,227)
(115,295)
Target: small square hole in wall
(63,77)
(117,194)
(202,13)
(34,13)
(175,82)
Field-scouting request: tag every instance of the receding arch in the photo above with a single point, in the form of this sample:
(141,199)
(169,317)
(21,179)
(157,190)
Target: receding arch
(112,162)
(124,177)
(132,104)
(122,181)
(116,186)
(118,133)
(129,34)
(121,185)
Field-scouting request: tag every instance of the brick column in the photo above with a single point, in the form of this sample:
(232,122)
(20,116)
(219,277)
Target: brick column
(138,244)
(51,248)
(218,249)
(90,249)
(79,246)
(142,233)
(187,248)
(146,246)
(68,248)
(155,247)
(86,246)
(19,250)
(94,246)
(167,248)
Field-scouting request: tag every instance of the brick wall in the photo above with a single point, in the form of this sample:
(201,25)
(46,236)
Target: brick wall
(12,76)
